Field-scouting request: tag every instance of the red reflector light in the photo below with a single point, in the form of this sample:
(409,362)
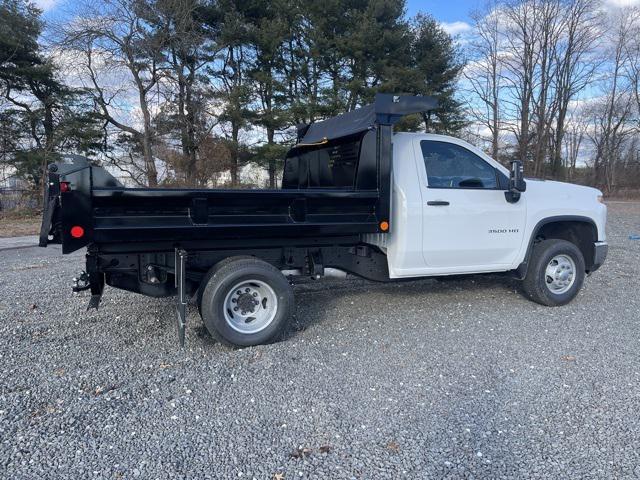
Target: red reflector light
(77,232)
(65,187)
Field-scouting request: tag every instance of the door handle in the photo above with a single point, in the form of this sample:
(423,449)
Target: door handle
(437,203)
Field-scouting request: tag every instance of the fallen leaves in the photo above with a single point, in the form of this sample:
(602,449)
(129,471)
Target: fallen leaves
(278,476)
(101,390)
(568,358)
(300,452)
(303,452)
(255,357)
(42,410)
(393,446)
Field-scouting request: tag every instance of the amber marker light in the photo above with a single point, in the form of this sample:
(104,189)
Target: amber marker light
(384,226)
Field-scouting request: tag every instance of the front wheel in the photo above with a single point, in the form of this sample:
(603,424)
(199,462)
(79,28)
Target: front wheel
(555,274)
(246,302)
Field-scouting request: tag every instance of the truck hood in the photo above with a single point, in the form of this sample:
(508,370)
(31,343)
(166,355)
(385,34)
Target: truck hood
(562,190)
(546,199)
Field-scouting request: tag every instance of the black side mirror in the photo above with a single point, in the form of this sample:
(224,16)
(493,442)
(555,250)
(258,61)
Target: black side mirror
(517,185)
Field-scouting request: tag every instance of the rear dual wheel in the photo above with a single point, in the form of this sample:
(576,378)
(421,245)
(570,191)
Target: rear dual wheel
(245,301)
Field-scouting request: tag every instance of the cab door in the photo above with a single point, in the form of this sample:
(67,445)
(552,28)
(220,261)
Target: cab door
(468,226)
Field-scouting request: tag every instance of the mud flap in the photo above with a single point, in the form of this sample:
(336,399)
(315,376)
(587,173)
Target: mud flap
(47,220)
(51,192)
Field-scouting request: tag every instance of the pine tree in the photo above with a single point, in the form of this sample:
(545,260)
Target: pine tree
(54,117)
(434,70)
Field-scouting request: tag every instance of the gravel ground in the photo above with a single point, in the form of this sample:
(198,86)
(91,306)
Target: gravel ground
(423,379)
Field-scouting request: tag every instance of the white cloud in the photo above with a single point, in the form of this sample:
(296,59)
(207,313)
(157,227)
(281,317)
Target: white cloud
(455,28)
(46,5)
(622,3)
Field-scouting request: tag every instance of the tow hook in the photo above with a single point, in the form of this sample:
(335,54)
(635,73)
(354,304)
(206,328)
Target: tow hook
(81,282)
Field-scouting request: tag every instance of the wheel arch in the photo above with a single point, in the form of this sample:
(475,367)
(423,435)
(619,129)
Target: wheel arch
(580,230)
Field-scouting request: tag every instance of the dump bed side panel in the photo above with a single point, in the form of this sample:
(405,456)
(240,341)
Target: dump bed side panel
(139,215)
(85,205)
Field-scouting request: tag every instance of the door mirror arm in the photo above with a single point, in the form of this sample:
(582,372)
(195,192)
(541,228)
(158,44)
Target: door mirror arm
(517,184)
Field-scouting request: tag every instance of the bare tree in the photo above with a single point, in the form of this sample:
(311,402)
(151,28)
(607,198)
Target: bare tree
(574,132)
(548,15)
(550,50)
(484,74)
(522,34)
(612,114)
(633,55)
(112,37)
(576,64)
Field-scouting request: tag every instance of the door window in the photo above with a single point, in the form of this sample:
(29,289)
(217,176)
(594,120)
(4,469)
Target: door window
(452,166)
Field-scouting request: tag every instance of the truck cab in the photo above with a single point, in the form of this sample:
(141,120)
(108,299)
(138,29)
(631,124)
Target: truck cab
(451,216)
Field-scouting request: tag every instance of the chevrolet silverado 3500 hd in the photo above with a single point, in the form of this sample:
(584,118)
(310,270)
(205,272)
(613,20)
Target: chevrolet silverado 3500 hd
(356,197)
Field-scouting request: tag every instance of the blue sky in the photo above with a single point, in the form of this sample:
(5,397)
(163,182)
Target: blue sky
(452,13)
(449,12)
(443,10)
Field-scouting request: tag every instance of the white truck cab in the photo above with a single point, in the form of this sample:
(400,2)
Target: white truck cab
(450,216)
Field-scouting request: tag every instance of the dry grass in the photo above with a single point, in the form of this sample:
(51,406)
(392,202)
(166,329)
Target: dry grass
(18,225)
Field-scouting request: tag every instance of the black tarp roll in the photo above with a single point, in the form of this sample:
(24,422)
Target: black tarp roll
(387,109)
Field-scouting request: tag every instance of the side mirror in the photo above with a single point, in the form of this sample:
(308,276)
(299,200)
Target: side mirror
(517,185)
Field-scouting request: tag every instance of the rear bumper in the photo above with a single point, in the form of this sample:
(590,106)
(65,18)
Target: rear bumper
(600,250)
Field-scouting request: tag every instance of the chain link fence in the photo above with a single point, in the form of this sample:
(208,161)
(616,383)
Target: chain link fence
(22,199)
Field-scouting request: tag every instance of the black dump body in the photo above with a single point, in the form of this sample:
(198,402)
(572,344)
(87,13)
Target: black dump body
(159,242)
(336,185)
(158,218)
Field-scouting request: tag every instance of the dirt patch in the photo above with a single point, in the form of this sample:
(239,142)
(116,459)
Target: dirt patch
(18,227)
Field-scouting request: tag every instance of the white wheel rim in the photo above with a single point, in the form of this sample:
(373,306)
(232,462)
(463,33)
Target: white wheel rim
(250,306)
(560,274)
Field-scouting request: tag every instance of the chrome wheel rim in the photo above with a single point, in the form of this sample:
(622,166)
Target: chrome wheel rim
(560,274)
(250,306)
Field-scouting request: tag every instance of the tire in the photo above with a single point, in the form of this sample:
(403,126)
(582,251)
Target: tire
(211,273)
(246,302)
(556,273)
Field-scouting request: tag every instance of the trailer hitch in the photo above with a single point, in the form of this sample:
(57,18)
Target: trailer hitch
(81,282)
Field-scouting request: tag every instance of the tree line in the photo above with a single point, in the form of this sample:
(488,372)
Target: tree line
(556,84)
(190,92)
(186,92)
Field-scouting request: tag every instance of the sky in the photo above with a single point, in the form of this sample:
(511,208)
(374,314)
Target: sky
(453,14)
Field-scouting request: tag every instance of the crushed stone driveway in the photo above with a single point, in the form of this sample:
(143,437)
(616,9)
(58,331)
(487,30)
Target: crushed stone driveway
(424,379)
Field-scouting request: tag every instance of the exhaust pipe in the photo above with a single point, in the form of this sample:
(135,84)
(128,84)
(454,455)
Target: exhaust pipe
(334,273)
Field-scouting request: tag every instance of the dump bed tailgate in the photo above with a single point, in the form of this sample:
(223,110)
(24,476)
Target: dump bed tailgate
(67,217)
